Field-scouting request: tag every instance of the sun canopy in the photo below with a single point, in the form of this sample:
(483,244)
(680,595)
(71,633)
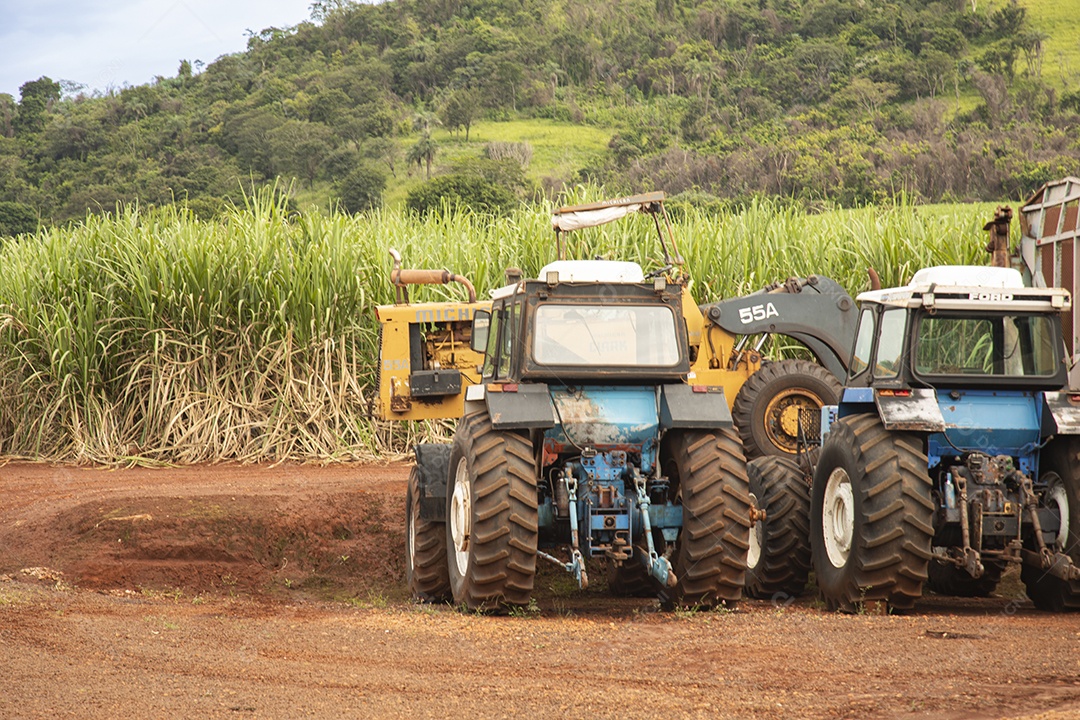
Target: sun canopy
(576,217)
(591,218)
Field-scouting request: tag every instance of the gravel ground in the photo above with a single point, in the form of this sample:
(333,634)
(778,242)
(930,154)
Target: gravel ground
(277,592)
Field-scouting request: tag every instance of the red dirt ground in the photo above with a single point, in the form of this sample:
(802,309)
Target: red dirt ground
(228,591)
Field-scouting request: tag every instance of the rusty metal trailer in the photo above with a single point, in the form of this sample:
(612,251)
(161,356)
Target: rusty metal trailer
(1049,230)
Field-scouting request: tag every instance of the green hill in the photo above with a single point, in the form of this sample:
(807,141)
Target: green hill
(1058,24)
(495,102)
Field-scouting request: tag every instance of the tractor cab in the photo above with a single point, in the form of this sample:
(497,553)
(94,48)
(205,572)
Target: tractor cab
(958,328)
(593,320)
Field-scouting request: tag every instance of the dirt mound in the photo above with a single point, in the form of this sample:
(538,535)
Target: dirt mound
(334,532)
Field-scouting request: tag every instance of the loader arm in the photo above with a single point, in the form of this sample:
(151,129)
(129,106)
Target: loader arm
(816,311)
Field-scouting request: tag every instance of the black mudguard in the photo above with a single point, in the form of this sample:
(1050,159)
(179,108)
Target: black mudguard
(526,408)
(433,462)
(681,407)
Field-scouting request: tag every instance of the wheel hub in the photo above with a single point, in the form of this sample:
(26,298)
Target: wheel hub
(1057,497)
(757,538)
(789,420)
(461,516)
(838,517)
(782,417)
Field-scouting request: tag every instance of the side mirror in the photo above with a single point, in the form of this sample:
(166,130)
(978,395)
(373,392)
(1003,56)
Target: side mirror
(481,322)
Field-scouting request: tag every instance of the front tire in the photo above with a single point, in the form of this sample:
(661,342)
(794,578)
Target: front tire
(945,578)
(871,516)
(491,516)
(425,558)
(779,561)
(767,406)
(708,471)
(631,579)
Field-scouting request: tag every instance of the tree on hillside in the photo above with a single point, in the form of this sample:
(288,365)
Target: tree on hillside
(246,136)
(936,70)
(16,219)
(999,58)
(460,109)
(1032,45)
(1008,20)
(35,98)
(460,190)
(423,153)
(995,93)
(300,147)
(865,95)
(8,111)
(385,151)
(362,190)
(329,106)
(358,124)
(425,149)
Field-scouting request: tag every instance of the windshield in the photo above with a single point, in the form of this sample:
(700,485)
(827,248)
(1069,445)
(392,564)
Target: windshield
(607,336)
(1004,345)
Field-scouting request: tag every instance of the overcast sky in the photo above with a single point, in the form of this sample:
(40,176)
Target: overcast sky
(109,43)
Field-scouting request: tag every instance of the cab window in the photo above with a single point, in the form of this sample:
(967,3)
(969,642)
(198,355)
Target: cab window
(864,342)
(987,345)
(890,343)
(492,351)
(508,338)
(605,336)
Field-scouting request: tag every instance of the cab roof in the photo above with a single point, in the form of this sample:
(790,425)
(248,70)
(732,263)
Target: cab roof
(585,271)
(970,287)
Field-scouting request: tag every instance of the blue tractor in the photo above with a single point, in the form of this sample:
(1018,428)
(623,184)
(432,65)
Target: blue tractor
(583,435)
(955,449)
(588,435)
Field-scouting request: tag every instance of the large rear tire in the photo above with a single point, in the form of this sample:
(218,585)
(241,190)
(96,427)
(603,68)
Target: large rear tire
(425,558)
(871,516)
(491,517)
(1061,473)
(766,408)
(708,472)
(778,564)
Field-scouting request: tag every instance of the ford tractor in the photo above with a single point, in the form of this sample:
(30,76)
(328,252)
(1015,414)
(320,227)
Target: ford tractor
(955,448)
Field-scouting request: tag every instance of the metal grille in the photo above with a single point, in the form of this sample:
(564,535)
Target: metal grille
(810,425)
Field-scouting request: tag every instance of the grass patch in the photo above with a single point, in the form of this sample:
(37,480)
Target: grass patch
(559,150)
(12,594)
(1061,48)
(373,600)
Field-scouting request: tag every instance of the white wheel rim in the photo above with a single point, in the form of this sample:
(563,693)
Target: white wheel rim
(838,517)
(1057,497)
(757,539)
(461,517)
(411,536)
